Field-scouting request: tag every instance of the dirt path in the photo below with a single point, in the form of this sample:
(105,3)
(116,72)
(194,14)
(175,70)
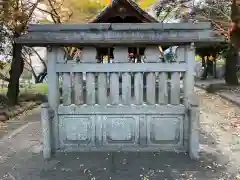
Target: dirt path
(220,150)
(18,121)
(220,120)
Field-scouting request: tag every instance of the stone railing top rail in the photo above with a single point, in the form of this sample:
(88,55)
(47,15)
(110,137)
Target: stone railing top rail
(118,27)
(119,34)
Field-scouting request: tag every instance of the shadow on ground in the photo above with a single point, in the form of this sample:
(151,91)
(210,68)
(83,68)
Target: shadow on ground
(124,166)
(121,166)
(127,166)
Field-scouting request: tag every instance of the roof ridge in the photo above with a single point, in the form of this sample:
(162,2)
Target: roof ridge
(132,3)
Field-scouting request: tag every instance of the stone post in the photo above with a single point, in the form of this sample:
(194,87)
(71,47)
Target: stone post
(194,127)
(46,131)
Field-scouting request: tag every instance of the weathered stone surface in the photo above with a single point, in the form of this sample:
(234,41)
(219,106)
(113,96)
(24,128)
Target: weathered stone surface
(220,70)
(118,26)
(198,69)
(120,34)
(117,37)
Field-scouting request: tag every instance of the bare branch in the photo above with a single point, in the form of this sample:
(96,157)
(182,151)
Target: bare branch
(39,57)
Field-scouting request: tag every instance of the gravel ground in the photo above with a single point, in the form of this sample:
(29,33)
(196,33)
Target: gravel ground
(220,150)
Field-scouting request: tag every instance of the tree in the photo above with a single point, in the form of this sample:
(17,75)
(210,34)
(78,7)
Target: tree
(234,36)
(17,15)
(221,13)
(168,10)
(72,11)
(85,10)
(218,12)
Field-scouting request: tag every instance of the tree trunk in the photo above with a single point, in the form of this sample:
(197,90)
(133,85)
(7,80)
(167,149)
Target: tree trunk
(231,68)
(17,66)
(232,54)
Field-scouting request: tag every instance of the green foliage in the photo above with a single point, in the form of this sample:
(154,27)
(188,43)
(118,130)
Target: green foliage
(2,65)
(34,89)
(4,69)
(146,3)
(84,10)
(39,88)
(45,21)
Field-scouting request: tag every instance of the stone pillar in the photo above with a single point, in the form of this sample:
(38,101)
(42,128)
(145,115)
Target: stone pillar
(46,131)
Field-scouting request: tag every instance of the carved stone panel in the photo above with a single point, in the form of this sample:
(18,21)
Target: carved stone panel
(120,130)
(75,129)
(164,130)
